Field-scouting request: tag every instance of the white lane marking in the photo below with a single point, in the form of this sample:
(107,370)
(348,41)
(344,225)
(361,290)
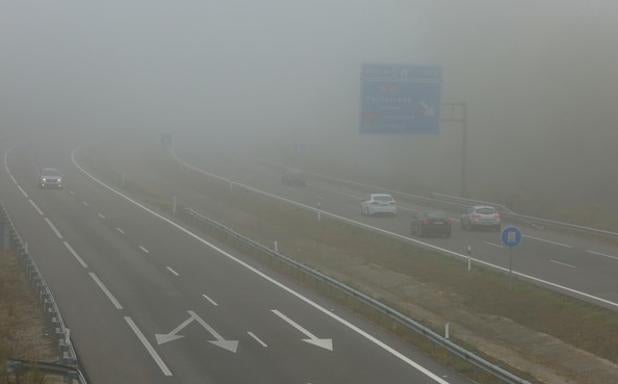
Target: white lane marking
(79,259)
(36,207)
(324,343)
(144,249)
(101,216)
(613,304)
(601,254)
(493,244)
(263,344)
(106,291)
(549,241)
(278,284)
(563,264)
(22,191)
(53,227)
(85,203)
(210,300)
(120,230)
(153,353)
(172,271)
(71,192)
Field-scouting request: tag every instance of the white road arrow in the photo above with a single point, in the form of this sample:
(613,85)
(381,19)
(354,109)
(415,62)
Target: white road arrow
(312,339)
(229,345)
(167,337)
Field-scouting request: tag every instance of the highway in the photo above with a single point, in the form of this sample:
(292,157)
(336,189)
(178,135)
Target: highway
(148,301)
(578,265)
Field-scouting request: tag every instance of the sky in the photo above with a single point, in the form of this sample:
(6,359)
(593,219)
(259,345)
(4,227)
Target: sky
(538,76)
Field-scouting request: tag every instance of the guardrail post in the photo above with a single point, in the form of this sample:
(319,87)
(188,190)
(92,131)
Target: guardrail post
(319,211)
(276,246)
(469,252)
(447,330)
(6,237)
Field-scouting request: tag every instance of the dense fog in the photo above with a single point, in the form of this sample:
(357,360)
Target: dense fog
(259,77)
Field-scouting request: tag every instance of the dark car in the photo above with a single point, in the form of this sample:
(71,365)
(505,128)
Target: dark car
(427,223)
(50,178)
(294,177)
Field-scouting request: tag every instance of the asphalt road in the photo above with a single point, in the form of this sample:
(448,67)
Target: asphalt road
(586,265)
(150,303)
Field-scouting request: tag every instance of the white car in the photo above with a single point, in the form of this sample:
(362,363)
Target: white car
(379,203)
(481,216)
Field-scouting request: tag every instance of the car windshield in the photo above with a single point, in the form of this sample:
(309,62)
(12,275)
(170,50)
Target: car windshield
(383,198)
(437,215)
(486,211)
(50,172)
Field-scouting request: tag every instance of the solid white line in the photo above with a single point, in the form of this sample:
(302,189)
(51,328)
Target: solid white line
(144,249)
(172,271)
(263,344)
(292,292)
(101,216)
(79,259)
(549,241)
(85,203)
(613,304)
(22,191)
(106,291)
(53,227)
(561,263)
(155,356)
(602,254)
(493,244)
(209,299)
(36,207)
(120,230)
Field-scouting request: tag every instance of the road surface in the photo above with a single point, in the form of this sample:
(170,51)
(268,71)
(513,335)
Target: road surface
(148,302)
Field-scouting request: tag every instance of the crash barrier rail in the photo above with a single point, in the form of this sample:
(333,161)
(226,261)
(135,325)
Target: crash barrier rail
(22,367)
(495,370)
(445,201)
(11,240)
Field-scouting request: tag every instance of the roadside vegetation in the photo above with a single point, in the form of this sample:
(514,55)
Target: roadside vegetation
(534,329)
(22,327)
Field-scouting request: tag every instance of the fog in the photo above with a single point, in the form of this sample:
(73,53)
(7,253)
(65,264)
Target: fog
(539,79)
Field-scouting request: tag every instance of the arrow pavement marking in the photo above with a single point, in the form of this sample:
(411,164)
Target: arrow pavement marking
(165,338)
(228,345)
(312,339)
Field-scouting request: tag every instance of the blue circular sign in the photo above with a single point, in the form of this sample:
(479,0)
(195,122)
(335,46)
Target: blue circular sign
(511,237)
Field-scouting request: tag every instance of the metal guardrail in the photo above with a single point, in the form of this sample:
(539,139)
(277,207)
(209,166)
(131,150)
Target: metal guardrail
(10,240)
(449,202)
(497,371)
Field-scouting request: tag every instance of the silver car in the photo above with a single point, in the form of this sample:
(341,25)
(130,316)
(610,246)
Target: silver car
(50,178)
(481,216)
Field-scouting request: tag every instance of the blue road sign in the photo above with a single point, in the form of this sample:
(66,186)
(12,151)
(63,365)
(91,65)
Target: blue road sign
(511,237)
(398,98)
